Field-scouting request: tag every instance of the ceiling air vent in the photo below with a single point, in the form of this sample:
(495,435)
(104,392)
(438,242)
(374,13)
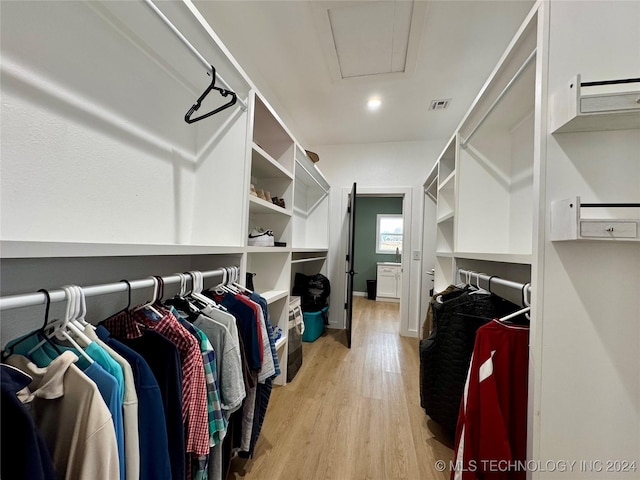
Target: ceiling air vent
(439,104)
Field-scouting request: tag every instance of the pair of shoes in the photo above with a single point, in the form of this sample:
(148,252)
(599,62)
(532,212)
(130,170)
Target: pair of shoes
(252,190)
(278,201)
(263,195)
(258,237)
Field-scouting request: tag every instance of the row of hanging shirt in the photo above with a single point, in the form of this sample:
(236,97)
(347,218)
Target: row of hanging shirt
(166,390)
(474,371)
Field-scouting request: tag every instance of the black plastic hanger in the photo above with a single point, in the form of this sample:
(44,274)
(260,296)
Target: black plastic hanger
(41,330)
(196,106)
(126,309)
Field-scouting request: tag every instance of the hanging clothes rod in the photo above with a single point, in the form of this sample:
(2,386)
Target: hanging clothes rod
(191,48)
(313,178)
(493,280)
(31,299)
(495,103)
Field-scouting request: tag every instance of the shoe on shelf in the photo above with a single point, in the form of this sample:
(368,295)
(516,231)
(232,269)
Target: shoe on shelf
(259,237)
(260,193)
(267,196)
(252,191)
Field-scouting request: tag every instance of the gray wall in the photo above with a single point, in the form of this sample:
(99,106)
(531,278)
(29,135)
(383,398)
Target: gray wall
(366,257)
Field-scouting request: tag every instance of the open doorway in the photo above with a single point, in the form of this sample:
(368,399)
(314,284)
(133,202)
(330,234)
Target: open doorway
(383,223)
(378,252)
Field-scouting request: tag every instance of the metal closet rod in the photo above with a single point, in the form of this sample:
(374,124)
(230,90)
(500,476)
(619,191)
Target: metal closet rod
(313,177)
(191,48)
(494,280)
(495,103)
(32,299)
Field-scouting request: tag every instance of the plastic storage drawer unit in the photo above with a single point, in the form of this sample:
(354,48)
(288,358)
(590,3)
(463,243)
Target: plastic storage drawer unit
(313,324)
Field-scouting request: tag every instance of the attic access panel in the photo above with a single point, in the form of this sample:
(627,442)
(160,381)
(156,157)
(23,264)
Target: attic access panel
(366,38)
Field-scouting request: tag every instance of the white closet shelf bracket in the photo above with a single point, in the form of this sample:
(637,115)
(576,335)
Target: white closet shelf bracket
(192,49)
(514,79)
(31,299)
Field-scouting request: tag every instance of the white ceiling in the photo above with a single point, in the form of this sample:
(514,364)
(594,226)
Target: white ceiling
(434,50)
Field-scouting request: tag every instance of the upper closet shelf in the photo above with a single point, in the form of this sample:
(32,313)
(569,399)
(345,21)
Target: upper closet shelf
(34,249)
(264,165)
(596,106)
(447,181)
(258,205)
(521,258)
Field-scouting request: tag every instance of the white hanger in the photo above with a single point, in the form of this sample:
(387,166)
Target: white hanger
(514,314)
(61,330)
(525,300)
(480,290)
(74,323)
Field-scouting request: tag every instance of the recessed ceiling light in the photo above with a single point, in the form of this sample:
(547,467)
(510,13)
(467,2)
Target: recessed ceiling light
(374,103)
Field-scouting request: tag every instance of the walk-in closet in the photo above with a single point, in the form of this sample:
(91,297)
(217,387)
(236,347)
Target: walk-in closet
(197,280)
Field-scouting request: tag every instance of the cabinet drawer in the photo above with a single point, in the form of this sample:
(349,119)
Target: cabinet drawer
(390,270)
(610,102)
(608,229)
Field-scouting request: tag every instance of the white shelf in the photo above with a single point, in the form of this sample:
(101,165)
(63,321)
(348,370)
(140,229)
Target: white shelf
(272,296)
(34,249)
(258,205)
(444,254)
(522,258)
(263,165)
(446,217)
(251,249)
(445,183)
(309,250)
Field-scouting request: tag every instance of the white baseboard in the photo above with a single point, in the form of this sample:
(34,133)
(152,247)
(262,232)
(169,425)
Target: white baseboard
(359,294)
(387,299)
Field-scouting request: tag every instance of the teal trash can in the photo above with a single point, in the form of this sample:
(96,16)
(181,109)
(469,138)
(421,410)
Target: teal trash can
(314,324)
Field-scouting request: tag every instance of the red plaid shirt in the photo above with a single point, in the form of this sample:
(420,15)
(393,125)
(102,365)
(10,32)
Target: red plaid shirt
(194,386)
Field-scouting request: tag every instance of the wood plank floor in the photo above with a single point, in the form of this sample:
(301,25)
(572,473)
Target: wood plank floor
(351,414)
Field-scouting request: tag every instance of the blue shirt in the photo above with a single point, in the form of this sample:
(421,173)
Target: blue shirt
(154,443)
(24,451)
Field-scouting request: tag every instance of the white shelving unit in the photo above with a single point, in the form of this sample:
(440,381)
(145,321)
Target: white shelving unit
(272,160)
(117,184)
(536,137)
(484,192)
(495,156)
(311,204)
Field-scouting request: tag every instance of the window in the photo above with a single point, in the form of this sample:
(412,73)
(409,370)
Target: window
(389,233)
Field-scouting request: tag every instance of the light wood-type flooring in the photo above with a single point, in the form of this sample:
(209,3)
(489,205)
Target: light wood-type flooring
(351,414)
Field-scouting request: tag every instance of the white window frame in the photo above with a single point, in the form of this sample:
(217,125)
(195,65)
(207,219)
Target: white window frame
(386,215)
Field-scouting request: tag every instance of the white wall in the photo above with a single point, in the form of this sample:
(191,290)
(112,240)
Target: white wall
(401,164)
